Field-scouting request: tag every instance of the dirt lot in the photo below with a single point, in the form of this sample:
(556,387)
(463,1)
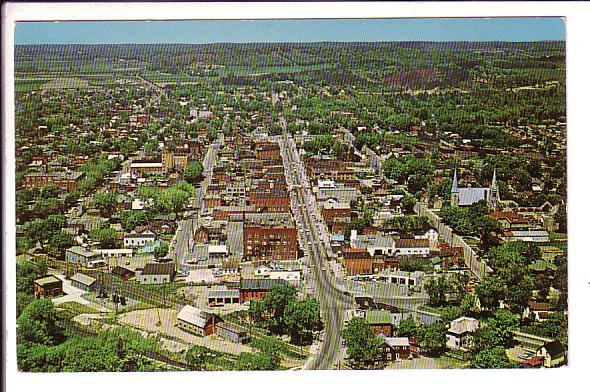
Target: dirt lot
(427,363)
(147,320)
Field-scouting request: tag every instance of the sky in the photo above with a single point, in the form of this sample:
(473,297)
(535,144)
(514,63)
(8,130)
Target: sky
(305,30)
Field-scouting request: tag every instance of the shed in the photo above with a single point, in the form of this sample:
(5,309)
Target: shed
(194,320)
(83,282)
(48,286)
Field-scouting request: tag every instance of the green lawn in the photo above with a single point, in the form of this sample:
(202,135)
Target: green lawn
(77,307)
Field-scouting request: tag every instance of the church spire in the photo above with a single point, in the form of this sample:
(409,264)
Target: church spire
(455,187)
(494,183)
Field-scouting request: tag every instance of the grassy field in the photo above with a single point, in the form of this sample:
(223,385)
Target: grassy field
(77,308)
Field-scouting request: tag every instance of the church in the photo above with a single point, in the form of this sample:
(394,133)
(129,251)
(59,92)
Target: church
(464,197)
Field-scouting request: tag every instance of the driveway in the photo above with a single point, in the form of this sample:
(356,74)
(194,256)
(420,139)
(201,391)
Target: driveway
(74,294)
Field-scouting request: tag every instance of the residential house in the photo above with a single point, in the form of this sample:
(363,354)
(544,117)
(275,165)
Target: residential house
(135,239)
(553,354)
(157,273)
(380,322)
(233,333)
(122,272)
(413,247)
(395,348)
(461,329)
(82,256)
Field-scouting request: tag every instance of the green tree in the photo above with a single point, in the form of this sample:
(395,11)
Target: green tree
(363,347)
(434,337)
(106,237)
(59,242)
(276,302)
(106,202)
(193,172)
(436,289)
(490,292)
(161,250)
(491,358)
(409,328)
(131,218)
(302,318)
(37,324)
(196,357)
(26,272)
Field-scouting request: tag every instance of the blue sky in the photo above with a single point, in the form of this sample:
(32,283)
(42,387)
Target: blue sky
(308,30)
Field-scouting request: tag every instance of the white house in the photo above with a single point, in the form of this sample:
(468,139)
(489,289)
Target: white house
(461,329)
(376,245)
(413,247)
(135,239)
(431,235)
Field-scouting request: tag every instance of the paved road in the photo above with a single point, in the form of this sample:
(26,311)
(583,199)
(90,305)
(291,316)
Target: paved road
(333,297)
(182,246)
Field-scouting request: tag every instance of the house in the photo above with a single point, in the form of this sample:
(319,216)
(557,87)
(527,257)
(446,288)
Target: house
(256,288)
(122,272)
(115,252)
(526,236)
(395,348)
(404,278)
(357,261)
(47,287)
(553,354)
(135,239)
(376,245)
(84,282)
(83,256)
(233,333)
(157,273)
(380,322)
(431,235)
(413,247)
(196,321)
(510,220)
(461,329)
(220,297)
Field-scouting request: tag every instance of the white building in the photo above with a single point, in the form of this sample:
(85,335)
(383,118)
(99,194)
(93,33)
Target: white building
(376,245)
(413,247)
(135,239)
(461,329)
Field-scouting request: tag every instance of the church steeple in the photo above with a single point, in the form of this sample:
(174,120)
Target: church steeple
(455,187)
(455,191)
(495,191)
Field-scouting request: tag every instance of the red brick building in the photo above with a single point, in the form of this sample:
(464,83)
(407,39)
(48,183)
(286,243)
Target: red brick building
(63,180)
(357,261)
(257,288)
(269,236)
(271,200)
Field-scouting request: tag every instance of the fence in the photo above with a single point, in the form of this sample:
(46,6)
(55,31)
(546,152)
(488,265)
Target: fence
(477,267)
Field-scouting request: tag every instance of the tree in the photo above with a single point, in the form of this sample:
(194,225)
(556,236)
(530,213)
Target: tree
(266,357)
(491,358)
(26,272)
(363,347)
(106,237)
(37,231)
(106,202)
(196,357)
(408,202)
(161,250)
(496,331)
(276,302)
(409,328)
(490,292)
(434,337)
(59,242)
(436,289)
(193,172)
(37,324)
(468,305)
(561,218)
(302,318)
(130,219)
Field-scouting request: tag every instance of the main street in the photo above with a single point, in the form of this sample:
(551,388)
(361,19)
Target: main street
(334,298)
(182,247)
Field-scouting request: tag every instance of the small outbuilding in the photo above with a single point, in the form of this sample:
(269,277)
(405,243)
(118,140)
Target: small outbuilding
(196,321)
(83,282)
(47,287)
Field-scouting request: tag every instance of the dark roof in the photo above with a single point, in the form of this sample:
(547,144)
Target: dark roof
(554,348)
(412,243)
(158,269)
(260,284)
(120,271)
